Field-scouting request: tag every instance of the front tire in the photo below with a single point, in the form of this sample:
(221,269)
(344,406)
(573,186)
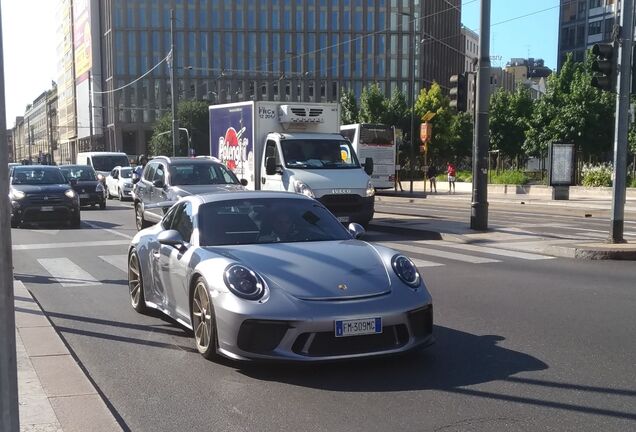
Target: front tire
(204,321)
(102,205)
(120,195)
(135,284)
(15,223)
(76,220)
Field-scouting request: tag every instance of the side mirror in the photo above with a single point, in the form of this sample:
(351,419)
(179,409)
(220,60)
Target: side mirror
(170,238)
(270,165)
(244,182)
(368,166)
(158,183)
(72,182)
(356,230)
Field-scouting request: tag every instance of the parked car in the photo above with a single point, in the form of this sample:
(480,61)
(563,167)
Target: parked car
(41,194)
(83,180)
(119,183)
(169,179)
(274,275)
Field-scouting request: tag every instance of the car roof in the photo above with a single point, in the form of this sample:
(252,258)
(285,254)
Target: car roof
(239,195)
(36,166)
(310,136)
(75,166)
(186,160)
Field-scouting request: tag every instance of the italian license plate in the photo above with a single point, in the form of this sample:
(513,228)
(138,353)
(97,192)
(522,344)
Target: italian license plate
(84,196)
(344,219)
(358,327)
(46,209)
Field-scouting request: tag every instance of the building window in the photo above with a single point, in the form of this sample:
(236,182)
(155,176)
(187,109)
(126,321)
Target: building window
(594,28)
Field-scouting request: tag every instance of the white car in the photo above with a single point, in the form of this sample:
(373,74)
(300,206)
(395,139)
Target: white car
(119,183)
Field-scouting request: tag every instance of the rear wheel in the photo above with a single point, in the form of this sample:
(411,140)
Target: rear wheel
(204,321)
(139,218)
(135,284)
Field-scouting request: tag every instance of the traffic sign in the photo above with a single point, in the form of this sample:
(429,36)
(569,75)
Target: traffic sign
(426,132)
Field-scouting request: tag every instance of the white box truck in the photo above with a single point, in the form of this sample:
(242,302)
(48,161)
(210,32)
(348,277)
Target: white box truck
(294,147)
(377,142)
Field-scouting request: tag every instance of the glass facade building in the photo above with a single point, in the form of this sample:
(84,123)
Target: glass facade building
(234,50)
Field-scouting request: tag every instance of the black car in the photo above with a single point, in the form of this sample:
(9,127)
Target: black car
(83,180)
(42,194)
(167,179)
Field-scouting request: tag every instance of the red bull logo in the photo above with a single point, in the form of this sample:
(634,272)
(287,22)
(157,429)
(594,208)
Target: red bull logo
(233,148)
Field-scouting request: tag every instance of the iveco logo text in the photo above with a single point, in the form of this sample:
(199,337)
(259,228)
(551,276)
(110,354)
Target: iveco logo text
(341,191)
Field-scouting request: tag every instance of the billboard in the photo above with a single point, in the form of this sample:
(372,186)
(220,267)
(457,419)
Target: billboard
(82,39)
(231,132)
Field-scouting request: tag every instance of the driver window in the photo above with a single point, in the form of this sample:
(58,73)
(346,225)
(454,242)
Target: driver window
(149,172)
(160,173)
(183,221)
(168,219)
(270,151)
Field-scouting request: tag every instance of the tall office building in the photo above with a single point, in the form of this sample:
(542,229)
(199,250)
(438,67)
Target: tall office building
(583,23)
(233,50)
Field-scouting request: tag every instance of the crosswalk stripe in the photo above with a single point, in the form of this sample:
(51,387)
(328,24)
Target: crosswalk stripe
(494,251)
(424,263)
(67,273)
(119,261)
(69,245)
(439,253)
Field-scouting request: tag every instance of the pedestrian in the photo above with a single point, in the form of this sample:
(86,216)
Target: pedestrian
(452,176)
(142,160)
(431,173)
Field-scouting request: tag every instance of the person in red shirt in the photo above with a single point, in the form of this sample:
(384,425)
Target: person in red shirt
(451,171)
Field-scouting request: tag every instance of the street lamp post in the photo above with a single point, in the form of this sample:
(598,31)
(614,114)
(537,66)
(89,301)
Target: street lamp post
(412,95)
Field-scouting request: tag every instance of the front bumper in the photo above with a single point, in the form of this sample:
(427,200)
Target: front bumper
(25,211)
(312,338)
(350,208)
(91,198)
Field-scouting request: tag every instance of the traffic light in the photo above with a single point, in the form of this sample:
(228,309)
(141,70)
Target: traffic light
(604,66)
(458,92)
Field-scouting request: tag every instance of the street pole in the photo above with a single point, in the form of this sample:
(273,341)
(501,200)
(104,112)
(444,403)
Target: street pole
(479,204)
(415,38)
(90,110)
(175,124)
(9,417)
(621,130)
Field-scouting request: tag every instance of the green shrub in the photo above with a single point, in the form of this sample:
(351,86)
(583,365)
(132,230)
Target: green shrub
(597,175)
(461,176)
(633,183)
(513,177)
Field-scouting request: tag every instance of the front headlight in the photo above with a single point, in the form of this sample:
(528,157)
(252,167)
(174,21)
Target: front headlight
(99,188)
(100,177)
(16,194)
(406,270)
(243,282)
(370,189)
(302,188)
(70,193)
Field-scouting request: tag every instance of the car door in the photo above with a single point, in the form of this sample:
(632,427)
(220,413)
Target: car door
(111,182)
(158,292)
(174,263)
(143,187)
(274,181)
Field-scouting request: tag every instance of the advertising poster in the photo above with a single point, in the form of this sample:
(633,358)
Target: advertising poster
(82,39)
(231,139)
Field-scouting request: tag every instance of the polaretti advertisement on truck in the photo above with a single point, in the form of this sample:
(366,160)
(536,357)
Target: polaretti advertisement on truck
(295,148)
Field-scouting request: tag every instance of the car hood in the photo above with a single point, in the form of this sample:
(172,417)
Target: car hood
(330,270)
(200,189)
(36,189)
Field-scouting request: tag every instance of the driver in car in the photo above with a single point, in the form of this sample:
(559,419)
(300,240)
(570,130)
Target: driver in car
(280,228)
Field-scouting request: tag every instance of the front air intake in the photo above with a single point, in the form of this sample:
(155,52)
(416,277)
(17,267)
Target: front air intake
(300,114)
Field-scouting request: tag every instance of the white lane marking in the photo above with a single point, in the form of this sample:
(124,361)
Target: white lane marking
(43,231)
(112,231)
(69,245)
(495,251)
(67,273)
(439,253)
(423,263)
(119,261)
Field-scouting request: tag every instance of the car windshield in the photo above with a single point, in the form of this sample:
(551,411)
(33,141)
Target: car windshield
(319,154)
(37,176)
(126,173)
(197,173)
(267,220)
(79,173)
(108,162)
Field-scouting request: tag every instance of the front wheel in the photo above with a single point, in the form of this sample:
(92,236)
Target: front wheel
(76,220)
(204,321)
(15,223)
(136,284)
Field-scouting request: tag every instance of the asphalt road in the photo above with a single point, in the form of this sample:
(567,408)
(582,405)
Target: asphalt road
(522,345)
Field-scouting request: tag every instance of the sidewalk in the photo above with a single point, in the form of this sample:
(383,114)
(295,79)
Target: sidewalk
(459,232)
(54,393)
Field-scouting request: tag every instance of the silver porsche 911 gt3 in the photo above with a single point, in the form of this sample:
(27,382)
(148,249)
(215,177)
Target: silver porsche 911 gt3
(274,275)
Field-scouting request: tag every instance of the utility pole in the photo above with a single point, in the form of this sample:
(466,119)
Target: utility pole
(175,123)
(481,138)
(626,36)
(90,110)
(9,418)
(412,135)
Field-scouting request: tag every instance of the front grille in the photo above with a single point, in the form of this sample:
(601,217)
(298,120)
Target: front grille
(35,215)
(326,344)
(421,321)
(50,199)
(315,112)
(260,336)
(347,203)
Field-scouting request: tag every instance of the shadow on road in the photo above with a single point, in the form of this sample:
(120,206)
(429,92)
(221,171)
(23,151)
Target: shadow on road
(47,280)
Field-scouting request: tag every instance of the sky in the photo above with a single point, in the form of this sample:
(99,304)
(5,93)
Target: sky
(533,36)
(30,41)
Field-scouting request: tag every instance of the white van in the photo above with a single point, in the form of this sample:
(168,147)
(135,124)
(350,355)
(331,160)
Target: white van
(103,162)
(378,143)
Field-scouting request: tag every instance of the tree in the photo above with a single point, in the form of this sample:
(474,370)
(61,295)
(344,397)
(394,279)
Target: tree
(461,143)
(348,107)
(441,144)
(396,111)
(509,116)
(372,105)
(193,116)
